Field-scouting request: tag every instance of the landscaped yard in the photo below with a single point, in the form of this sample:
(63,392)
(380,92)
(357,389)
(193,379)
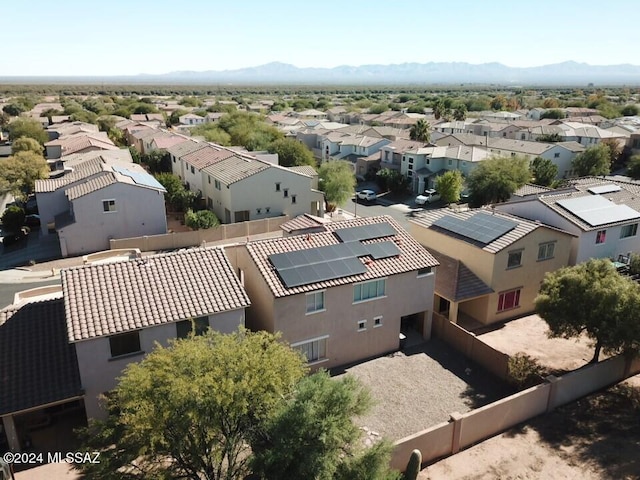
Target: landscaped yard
(421,387)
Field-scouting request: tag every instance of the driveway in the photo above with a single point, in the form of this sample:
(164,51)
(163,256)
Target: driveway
(38,248)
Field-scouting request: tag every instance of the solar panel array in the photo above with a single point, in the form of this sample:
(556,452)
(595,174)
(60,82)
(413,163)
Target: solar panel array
(480,227)
(140,178)
(312,265)
(600,189)
(365,232)
(596,210)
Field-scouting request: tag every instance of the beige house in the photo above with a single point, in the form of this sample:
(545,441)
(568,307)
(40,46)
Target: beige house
(117,312)
(240,187)
(343,294)
(491,263)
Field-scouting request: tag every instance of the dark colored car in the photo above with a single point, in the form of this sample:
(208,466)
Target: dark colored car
(32,220)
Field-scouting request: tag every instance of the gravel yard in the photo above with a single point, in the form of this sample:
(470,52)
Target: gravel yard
(421,387)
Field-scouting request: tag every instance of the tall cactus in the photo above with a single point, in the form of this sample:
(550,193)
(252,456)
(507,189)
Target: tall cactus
(413,467)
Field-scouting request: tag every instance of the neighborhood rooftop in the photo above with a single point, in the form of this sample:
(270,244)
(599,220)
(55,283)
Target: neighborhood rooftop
(119,297)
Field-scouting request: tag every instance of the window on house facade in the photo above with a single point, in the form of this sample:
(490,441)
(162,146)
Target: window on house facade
(185,327)
(629,230)
(409,174)
(410,167)
(515,259)
(556,155)
(315,301)
(601,236)
(209,202)
(209,178)
(523,136)
(286,192)
(216,183)
(427,160)
(193,170)
(377,322)
(278,187)
(174,159)
(362,325)
(424,271)
(124,344)
(450,162)
(314,350)
(546,250)
(258,211)
(508,300)
(368,290)
(108,205)
(410,160)
(294,198)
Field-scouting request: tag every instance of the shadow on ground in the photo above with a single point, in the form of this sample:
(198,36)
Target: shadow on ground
(35,248)
(602,429)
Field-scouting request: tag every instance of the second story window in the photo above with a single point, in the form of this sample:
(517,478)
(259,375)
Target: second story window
(278,187)
(601,237)
(515,259)
(546,250)
(108,205)
(294,198)
(185,327)
(193,170)
(286,193)
(124,344)
(629,230)
(216,183)
(368,290)
(315,302)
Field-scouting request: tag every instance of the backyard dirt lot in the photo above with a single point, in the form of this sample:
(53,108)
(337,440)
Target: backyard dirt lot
(421,387)
(529,335)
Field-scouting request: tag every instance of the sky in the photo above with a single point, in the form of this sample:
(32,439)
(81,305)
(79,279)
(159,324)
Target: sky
(129,37)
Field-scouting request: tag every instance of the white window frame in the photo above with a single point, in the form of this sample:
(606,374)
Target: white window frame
(377,321)
(547,246)
(362,325)
(425,274)
(601,237)
(317,308)
(517,292)
(514,252)
(318,340)
(634,230)
(111,202)
(216,184)
(360,285)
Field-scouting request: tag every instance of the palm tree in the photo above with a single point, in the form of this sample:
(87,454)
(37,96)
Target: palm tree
(460,113)
(438,109)
(420,131)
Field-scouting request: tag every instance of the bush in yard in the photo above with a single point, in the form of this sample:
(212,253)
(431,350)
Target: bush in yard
(201,219)
(13,219)
(524,371)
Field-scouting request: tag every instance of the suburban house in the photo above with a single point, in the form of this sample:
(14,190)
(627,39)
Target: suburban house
(191,119)
(239,187)
(70,128)
(178,151)
(337,145)
(491,263)
(391,154)
(116,312)
(99,200)
(193,163)
(602,213)
(584,134)
(341,295)
(78,143)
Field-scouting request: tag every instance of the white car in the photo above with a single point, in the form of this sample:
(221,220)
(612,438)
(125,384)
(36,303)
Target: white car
(429,196)
(368,195)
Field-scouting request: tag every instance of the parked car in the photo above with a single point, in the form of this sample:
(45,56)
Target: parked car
(429,196)
(32,220)
(367,195)
(12,238)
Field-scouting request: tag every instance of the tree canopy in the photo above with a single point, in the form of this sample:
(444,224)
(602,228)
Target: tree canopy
(544,171)
(337,181)
(592,298)
(19,172)
(292,153)
(495,179)
(420,131)
(449,185)
(27,127)
(13,218)
(202,219)
(392,180)
(241,128)
(26,144)
(633,167)
(593,161)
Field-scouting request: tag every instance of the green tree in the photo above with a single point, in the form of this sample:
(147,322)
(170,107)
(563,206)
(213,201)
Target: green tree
(143,107)
(191,409)
(13,109)
(392,180)
(19,172)
(337,181)
(630,110)
(200,220)
(615,150)
(212,133)
(13,219)
(495,180)
(593,161)
(158,161)
(438,109)
(177,195)
(420,131)
(292,153)
(499,102)
(553,113)
(460,112)
(544,171)
(633,167)
(26,144)
(174,118)
(591,298)
(449,185)
(549,138)
(27,127)
(313,435)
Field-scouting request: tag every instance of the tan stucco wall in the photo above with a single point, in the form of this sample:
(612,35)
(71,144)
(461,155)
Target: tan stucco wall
(98,372)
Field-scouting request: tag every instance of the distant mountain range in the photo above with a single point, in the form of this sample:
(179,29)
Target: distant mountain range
(566,73)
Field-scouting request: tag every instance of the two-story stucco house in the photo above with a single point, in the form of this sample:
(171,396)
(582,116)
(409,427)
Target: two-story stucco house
(99,200)
(340,295)
(116,312)
(491,264)
(602,213)
(240,187)
(178,151)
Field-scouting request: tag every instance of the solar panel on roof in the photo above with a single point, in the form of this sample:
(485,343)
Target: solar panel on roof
(365,232)
(381,250)
(308,274)
(596,210)
(600,189)
(480,227)
(139,178)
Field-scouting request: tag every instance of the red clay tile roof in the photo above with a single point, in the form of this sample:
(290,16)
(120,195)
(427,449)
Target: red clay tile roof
(304,222)
(413,255)
(114,298)
(38,365)
(204,157)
